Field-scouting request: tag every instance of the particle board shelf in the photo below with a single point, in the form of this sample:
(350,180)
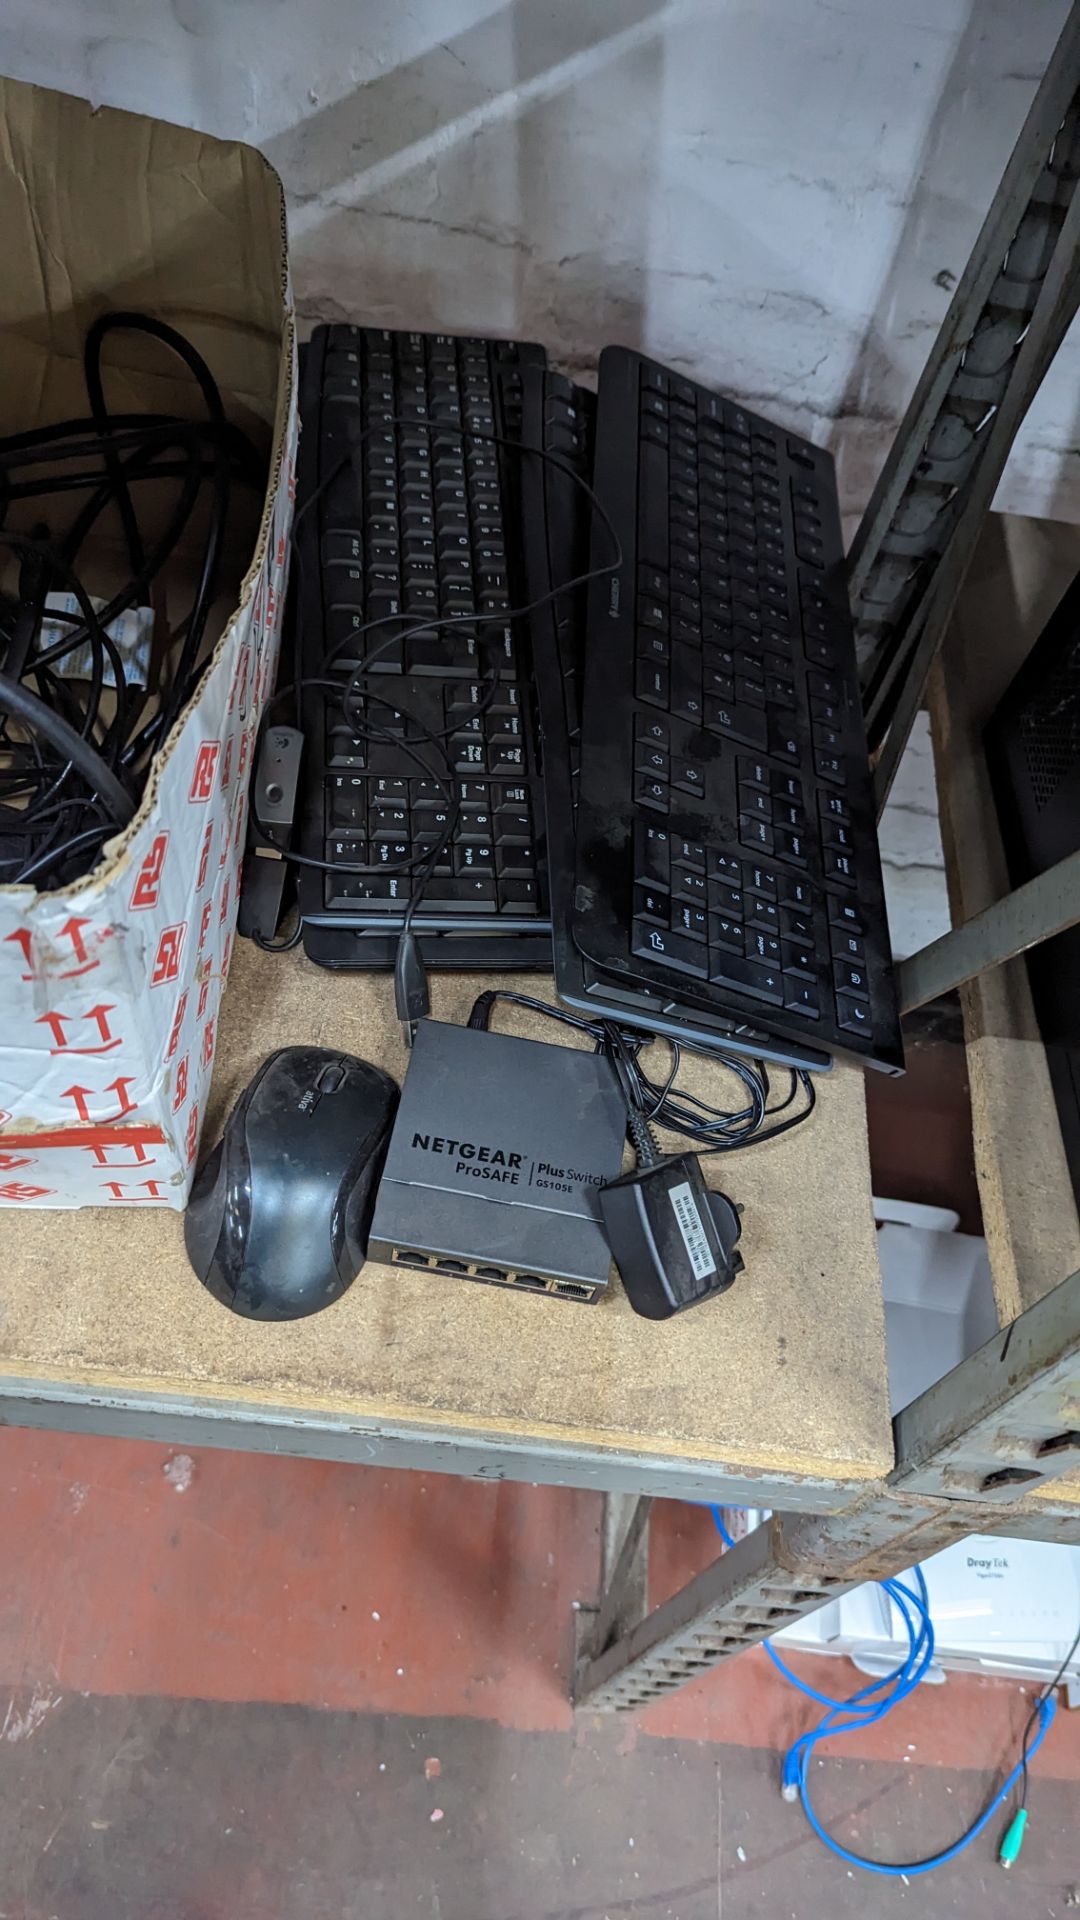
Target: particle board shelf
(774,1394)
(1058,1496)
(1029,1209)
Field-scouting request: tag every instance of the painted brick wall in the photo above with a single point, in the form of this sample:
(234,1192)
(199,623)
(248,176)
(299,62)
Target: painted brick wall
(773,194)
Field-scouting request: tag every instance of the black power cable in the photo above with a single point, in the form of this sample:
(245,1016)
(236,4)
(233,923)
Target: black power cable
(18,700)
(1036,1712)
(709,1129)
(72,764)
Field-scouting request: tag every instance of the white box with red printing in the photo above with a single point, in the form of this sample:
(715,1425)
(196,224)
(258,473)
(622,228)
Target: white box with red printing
(110,988)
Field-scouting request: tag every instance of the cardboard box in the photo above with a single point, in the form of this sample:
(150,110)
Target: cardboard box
(109,989)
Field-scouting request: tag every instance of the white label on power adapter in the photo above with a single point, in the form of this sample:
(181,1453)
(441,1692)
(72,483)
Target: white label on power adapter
(695,1239)
(131,633)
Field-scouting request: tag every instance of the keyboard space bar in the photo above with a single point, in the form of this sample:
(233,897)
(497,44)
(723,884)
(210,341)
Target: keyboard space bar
(443,896)
(652,541)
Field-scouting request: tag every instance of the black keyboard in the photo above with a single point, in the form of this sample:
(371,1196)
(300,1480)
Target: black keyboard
(727,876)
(559,416)
(417,520)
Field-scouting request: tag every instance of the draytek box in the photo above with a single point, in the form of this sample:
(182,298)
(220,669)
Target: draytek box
(498,1152)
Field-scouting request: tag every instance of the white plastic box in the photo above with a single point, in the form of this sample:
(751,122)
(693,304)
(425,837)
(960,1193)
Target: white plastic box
(939,1296)
(999,1606)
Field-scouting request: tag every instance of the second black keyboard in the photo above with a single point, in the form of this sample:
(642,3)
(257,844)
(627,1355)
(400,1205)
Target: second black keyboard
(727,858)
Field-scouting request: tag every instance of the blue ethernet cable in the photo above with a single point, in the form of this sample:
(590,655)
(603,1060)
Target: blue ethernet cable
(863,1710)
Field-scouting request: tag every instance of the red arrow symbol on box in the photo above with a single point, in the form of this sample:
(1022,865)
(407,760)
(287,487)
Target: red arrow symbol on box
(116,1147)
(78,1094)
(101,1015)
(73,929)
(22,936)
(117,1188)
(56,1022)
(103,1148)
(117,1087)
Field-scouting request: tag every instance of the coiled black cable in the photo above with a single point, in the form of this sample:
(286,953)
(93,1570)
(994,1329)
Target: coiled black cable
(76,743)
(709,1129)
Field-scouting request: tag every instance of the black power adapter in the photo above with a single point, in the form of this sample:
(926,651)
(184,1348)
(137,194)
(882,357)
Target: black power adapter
(672,1237)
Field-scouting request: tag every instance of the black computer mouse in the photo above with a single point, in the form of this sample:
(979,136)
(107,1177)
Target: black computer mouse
(278,1218)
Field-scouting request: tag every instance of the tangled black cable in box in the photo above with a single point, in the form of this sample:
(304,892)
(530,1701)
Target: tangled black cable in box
(91,683)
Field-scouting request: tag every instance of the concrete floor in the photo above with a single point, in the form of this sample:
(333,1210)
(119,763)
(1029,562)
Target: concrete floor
(245,1688)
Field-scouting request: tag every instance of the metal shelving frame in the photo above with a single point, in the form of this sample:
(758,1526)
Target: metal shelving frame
(994,1446)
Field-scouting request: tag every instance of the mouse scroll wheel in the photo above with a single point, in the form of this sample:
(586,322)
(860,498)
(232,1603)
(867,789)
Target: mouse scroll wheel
(331,1077)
